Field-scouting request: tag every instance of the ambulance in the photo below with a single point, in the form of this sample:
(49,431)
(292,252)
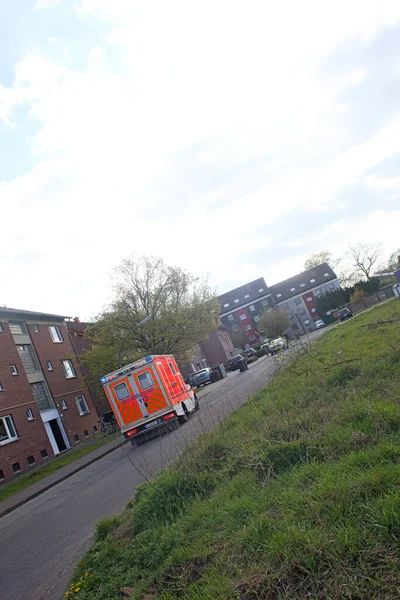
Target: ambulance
(147,395)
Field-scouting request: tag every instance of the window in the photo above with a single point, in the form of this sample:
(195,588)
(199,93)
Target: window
(279,295)
(76,437)
(86,433)
(1,475)
(285,306)
(226,304)
(313,310)
(309,299)
(1,388)
(68,369)
(246,296)
(318,292)
(43,453)
(252,337)
(243,317)
(14,370)
(256,318)
(292,289)
(248,327)
(235,327)
(145,380)
(171,366)
(122,391)
(236,301)
(312,280)
(41,395)
(297,301)
(326,274)
(7,430)
(63,404)
(27,358)
(16,467)
(17,328)
(295,327)
(290,316)
(302,285)
(302,311)
(307,322)
(95,429)
(230,317)
(331,286)
(82,405)
(1,328)
(49,365)
(30,415)
(252,307)
(264,302)
(56,334)
(260,290)
(31,460)
(36,328)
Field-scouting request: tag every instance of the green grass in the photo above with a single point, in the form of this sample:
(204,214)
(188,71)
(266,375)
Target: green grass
(295,496)
(43,471)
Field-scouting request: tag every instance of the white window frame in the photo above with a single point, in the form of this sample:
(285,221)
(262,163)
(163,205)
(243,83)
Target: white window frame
(63,404)
(236,301)
(297,301)
(14,370)
(279,295)
(146,374)
(1,328)
(30,415)
(226,304)
(49,368)
(243,317)
(230,317)
(70,367)
(260,290)
(326,274)
(312,280)
(302,285)
(248,327)
(256,318)
(11,438)
(55,334)
(293,289)
(1,388)
(307,321)
(309,299)
(252,307)
(85,412)
(36,328)
(331,286)
(246,296)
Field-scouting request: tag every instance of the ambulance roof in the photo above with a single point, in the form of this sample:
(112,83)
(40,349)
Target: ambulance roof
(131,367)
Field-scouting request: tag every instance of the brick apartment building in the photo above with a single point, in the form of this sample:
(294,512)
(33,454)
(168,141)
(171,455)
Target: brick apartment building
(45,407)
(242,307)
(216,350)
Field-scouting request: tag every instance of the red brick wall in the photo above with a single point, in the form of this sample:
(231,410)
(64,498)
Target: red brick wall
(15,400)
(215,348)
(62,388)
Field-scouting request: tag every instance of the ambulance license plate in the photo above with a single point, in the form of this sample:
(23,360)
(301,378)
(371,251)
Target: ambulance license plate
(153,423)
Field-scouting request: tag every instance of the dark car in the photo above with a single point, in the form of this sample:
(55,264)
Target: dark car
(250,352)
(345,313)
(238,362)
(203,377)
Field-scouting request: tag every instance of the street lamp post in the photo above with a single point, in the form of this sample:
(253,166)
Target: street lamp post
(128,334)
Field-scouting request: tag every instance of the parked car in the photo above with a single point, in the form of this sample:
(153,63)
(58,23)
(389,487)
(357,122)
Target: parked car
(238,362)
(203,377)
(319,323)
(345,313)
(277,344)
(251,353)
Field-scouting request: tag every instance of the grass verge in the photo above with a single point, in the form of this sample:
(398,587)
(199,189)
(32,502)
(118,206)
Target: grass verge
(295,496)
(58,463)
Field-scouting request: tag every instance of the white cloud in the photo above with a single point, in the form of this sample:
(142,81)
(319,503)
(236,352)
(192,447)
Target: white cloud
(113,137)
(42,4)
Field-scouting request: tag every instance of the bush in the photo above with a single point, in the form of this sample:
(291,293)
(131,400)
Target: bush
(261,352)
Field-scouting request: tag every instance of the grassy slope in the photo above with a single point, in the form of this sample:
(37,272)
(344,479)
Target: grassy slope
(58,463)
(297,495)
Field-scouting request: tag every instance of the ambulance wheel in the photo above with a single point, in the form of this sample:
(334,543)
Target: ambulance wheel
(182,419)
(196,404)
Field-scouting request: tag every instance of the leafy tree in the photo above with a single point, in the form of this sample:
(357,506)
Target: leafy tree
(239,337)
(183,310)
(324,256)
(273,323)
(394,261)
(358,294)
(364,257)
(331,300)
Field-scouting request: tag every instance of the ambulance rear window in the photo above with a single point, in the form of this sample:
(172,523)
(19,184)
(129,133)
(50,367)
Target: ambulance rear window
(171,366)
(145,380)
(122,391)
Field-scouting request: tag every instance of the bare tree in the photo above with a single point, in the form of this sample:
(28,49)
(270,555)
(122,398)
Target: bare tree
(274,322)
(364,257)
(394,261)
(324,256)
(239,337)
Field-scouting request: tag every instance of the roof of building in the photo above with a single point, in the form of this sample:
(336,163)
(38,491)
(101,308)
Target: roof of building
(301,283)
(18,313)
(243,294)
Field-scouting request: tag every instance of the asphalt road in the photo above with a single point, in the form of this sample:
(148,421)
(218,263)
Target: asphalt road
(42,540)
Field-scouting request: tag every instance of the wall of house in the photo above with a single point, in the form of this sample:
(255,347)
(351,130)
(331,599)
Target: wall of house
(218,348)
(15,399)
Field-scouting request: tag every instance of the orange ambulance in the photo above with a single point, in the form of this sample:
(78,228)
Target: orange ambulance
(147,395)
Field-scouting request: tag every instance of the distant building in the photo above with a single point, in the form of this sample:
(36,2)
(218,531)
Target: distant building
(45,406)
(216,350)
(297,295)
(241,308)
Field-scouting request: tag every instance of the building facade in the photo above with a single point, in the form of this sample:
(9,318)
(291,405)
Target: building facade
(297,297)
(45,407)
(242,307)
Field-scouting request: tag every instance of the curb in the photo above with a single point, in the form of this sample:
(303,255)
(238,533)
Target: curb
(10,509)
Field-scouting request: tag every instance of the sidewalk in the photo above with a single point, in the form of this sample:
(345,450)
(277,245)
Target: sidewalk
(34,490)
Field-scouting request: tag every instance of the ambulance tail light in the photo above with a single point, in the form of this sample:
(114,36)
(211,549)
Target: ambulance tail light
(131,433)
(169,416)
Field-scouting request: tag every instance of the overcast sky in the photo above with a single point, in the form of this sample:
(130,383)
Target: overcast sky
(230,138)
